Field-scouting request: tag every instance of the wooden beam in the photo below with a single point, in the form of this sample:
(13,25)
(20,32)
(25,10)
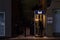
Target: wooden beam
(43,3)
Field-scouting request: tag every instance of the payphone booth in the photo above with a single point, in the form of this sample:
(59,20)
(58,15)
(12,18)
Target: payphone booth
(39,22)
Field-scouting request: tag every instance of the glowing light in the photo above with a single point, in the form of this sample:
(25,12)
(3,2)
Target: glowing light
(39,12)
(36,19)
(45,37)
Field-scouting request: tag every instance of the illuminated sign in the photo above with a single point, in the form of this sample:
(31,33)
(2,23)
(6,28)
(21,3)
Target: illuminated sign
(39,12)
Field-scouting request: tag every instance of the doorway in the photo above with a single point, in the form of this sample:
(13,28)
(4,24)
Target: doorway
(56,22)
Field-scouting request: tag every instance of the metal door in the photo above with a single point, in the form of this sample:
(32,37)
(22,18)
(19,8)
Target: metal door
(57,22)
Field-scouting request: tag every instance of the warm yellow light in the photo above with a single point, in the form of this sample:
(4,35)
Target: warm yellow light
(36,16)
(44,20)
(40,17)
(36,19)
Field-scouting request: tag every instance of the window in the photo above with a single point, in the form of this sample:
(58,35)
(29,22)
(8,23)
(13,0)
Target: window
(2,24)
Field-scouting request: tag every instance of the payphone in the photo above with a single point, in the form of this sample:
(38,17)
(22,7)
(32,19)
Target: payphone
(39,19)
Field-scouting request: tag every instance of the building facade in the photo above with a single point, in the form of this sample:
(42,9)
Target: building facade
(53,12)
(11,14)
